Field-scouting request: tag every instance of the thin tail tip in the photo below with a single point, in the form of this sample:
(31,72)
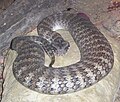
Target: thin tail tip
(84,15)
(69,9)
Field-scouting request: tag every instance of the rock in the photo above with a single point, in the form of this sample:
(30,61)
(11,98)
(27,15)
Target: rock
(23,16)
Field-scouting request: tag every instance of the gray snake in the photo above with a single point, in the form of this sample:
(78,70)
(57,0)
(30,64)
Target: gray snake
(95,63)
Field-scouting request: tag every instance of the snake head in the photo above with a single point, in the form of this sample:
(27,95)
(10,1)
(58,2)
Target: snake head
(60,46)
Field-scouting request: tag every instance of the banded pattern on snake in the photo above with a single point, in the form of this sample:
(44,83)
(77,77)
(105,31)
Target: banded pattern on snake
(95,63)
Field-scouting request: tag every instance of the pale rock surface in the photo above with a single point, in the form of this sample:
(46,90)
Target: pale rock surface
(102,91)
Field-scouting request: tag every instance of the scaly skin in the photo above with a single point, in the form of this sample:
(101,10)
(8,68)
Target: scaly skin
(95,63)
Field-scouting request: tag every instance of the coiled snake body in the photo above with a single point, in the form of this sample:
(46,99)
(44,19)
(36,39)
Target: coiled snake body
(95,63)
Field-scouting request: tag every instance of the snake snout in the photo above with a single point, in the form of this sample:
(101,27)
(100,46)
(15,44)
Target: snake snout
(60,48)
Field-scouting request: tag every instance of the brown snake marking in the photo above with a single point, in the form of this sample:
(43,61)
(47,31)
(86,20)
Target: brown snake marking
(95,63)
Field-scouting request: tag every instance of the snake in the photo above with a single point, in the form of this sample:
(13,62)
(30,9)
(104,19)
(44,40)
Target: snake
(95,63)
